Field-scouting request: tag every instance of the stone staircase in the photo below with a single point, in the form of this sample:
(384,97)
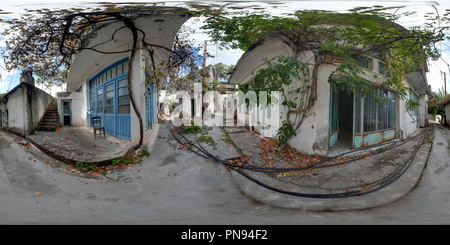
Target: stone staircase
(51,118)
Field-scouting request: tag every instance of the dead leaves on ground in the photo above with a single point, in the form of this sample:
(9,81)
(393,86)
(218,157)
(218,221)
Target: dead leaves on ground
(273,154)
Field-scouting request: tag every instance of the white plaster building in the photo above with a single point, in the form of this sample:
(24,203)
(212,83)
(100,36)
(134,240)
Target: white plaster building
(97,83)
(338,120)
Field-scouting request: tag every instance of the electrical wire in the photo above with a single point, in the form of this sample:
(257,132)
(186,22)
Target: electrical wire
(368,189)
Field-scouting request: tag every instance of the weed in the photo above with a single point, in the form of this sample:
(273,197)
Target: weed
(205,138)
(86,167)
(143,152)
(380,149)
(192,129)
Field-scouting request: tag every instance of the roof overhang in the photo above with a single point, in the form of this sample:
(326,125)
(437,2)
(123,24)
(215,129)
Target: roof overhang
(271,47)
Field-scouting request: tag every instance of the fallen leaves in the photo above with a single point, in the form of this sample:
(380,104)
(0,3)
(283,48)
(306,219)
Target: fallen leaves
(37,193)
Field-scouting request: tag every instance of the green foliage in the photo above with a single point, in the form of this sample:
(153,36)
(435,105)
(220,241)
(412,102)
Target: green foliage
(192,129)
(285,133)
(143,152)
(205,138)
(363,32)
(86,167)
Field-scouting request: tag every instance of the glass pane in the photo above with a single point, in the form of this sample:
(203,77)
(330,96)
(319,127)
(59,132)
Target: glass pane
(382,110)
(103,77)
(119,69)
(108,75)
(125,67)
(110,95)
(110,110)
(391,109)
(109,102)
(113,72)
(100,110)
(122,83)
(100,92)
(370,105)
(124,100)
(357,113)
(110,87)
(123,91)
(124,109)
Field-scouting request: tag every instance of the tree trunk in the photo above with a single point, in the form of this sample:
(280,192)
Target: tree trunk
(129,23)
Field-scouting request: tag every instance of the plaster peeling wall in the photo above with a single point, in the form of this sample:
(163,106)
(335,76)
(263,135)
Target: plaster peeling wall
(26,106)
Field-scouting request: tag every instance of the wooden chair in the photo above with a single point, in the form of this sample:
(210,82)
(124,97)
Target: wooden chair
(97,125)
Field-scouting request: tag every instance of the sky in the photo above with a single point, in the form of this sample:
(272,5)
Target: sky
(435,77)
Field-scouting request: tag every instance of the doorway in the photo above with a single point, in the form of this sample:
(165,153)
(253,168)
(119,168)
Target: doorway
(341,119)
(67,112)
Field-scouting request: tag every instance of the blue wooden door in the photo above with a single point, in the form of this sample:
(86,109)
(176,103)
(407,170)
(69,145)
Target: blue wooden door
(123,110)
(110,100)
(109,122)
(149,107)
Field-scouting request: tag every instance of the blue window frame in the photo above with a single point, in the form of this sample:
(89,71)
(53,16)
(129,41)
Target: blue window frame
(149,106)
(110,100)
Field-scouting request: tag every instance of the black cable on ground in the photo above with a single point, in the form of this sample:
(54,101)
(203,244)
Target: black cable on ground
(367,190)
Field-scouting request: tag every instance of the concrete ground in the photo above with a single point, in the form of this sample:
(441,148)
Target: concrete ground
(78,144)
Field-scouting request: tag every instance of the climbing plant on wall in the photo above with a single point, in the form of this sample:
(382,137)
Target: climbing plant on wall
(336,39)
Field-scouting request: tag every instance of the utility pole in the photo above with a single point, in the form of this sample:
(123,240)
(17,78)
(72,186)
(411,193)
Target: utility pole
(204,62)
(445,85)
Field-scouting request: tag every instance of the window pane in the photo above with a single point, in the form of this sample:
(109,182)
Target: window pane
(357,112)
(100,110)
(391,109)
(123,91)
(382,110)
(119,69)
(110,110)
(109,102)
(123,83)
(108,75)
(113,72)
(110,95)
(109,87)
(124,109)
(124,100)
(125,67)
(370,105)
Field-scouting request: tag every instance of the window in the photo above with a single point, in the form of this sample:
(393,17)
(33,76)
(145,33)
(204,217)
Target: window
(100,100)
(124,98)
(94,102)
(383,70)
(110,99)
(378,115)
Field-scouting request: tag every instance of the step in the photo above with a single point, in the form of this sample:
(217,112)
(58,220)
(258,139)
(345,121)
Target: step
(48,124)
(47,128)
